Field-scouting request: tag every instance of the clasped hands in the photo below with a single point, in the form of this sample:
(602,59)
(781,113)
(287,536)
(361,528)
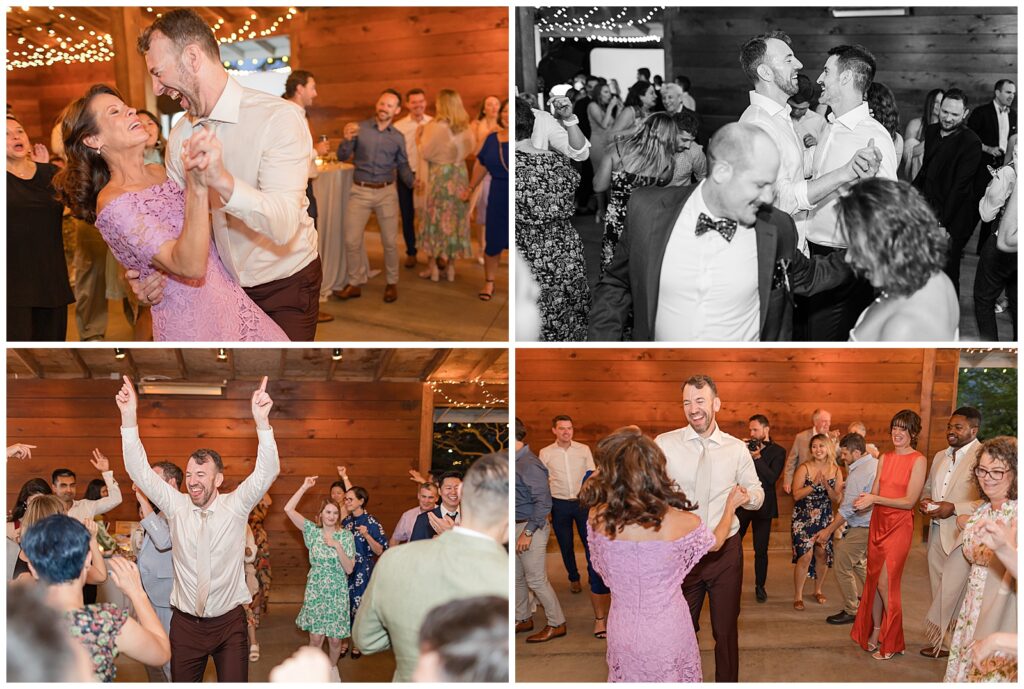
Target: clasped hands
(202,159)
(866,161)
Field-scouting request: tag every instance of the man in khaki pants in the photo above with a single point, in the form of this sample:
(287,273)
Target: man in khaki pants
(851,550)
(377,149)
(948,493)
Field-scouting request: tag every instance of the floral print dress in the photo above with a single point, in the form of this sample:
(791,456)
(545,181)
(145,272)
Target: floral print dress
(623,185)
(810,515)
(960,667)
(325,608)
(97,627)
(262,562)
(359,579)
(547,241)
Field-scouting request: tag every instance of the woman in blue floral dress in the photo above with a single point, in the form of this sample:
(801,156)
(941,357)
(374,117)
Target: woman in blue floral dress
(370,540)
(816,484)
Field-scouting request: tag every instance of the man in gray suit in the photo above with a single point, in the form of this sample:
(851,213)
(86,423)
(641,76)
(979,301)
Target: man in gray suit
(465,561)
(821,421)
(156,567)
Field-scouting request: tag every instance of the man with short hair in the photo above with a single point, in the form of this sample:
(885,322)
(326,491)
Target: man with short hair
(377,149)
(808,124)
(465,561)
(442,518)
(952,154)
(691,165)
(265,238)
(643,74)
(672,96)
(427,496)
(688,101)
(63,483)
(821,421)
(949,492)
(567,462)
(769,458)
(994,123)
(706,463)
(208,534)
(533,504)
(860,429)
(851,527)
(153,556)
(408,199)
(714,262)
(770,65)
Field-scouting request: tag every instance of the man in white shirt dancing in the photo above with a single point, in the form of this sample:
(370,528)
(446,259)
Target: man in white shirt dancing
(207,532)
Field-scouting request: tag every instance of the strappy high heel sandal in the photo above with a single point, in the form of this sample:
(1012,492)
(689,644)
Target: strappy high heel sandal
(603,634)
(872,648)
(878,655)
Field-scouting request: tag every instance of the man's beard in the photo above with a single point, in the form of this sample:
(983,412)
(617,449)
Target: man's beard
(787,86)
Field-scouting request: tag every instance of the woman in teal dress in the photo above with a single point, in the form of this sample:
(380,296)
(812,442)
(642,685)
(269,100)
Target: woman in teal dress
(332,552)
(371,541)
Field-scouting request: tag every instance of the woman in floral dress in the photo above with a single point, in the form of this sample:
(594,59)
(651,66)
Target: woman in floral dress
(816,483)
(545,204)
(370,541)
(262,561)
(332,550)
(990,602)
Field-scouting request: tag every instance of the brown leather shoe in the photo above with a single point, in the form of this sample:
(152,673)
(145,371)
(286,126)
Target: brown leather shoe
(546,634)
(932,652)
(524,626)
(350,292)
(575,586)
(410,261)
(324,317)
(390,293)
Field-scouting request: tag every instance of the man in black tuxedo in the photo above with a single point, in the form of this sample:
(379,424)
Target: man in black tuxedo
(769,460)
(715,262)
(994,123)
(952,154)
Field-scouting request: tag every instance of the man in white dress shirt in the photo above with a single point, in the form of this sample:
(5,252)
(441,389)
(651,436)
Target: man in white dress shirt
(706,463)
(560,131)
(207,533)
(63,483)
(769,63)
(408,201)
(567,462)
(264,236)
(950,491)
(844,82)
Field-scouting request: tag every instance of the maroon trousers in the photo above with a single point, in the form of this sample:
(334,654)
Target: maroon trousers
(292,302)
(719,575)
(195,639)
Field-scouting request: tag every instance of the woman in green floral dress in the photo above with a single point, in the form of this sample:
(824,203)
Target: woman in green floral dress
(332,549)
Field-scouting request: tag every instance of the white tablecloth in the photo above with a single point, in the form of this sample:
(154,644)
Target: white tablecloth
(331,190)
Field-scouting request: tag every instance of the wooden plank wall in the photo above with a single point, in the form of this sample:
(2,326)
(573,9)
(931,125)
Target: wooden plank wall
(37,95)
(604,389)
(935,47)
(372,428)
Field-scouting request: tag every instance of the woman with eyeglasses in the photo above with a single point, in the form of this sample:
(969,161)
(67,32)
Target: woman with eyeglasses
(899,481)
(989,591)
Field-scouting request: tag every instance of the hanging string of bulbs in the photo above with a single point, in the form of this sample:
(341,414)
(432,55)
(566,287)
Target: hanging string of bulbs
(490,400)
(562,27)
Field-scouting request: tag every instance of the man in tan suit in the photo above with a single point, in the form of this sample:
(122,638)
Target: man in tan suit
(464,561)
(948,493)
(821,420)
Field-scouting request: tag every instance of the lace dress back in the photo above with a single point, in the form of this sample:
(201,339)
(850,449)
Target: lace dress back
(216,308)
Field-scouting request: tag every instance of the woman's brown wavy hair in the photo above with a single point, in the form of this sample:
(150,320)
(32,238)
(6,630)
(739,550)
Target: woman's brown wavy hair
(85,173)
(631,483)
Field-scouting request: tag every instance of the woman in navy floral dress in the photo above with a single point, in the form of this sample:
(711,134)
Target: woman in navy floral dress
(816,484)
(371,541)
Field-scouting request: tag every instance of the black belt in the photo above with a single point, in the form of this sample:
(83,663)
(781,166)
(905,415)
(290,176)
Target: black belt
(372,185)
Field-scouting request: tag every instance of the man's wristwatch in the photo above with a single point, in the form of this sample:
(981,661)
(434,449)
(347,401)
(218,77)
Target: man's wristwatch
(527,533)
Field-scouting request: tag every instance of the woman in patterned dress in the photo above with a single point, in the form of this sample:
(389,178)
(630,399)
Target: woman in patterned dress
(262,561)
(332,550)
(816,484)
(370,541)
(990,602)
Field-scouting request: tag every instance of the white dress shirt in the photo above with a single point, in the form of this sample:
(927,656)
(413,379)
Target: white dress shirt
(814,124)
(731,464)
(88,509)
(566,468)
(708,289)
(846,135)
(548,133)
(1003,118)
(997,193)
(951,457)
(263,232)
(408,126)
(227,521)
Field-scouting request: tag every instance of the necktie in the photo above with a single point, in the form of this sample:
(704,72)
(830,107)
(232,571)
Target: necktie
(704,483)
(724,227)
(203,564)
(453,515)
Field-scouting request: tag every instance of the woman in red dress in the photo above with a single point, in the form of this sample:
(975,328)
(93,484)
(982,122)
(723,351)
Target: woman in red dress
(898,484)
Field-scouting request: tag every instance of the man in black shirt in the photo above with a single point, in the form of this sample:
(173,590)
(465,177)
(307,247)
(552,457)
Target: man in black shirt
(769,460)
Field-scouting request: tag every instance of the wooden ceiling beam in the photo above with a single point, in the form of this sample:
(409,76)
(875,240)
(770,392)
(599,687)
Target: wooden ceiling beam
(489,356)
(80,362)
(182,367)
(382,365)
(435,363)
(29,361)
(129,361)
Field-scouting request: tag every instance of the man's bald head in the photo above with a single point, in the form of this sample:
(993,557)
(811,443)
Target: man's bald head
(737,144)
(743,163)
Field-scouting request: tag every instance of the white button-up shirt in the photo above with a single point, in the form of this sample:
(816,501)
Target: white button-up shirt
(951,457)
(227,520)
(1003,118)
(708,289)
(566,468)
(263,232)
(408,126)
(731,464)
(548,133)
(88,509)
(846,135)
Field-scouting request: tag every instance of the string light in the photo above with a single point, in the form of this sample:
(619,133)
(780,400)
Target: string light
(560,26)
(490,401)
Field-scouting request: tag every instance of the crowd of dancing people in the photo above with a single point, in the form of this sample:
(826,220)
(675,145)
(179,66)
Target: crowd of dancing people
(812,218)
(196,581)
(112,210)
(661,530)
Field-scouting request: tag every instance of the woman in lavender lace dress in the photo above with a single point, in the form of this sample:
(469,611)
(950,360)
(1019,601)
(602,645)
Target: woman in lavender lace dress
(644,539)
(151,224)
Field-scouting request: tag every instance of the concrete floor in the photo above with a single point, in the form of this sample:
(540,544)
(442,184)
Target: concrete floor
(279,638)
(777,643)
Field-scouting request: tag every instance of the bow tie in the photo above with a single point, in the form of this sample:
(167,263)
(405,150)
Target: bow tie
(1003,109)
(726,228)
